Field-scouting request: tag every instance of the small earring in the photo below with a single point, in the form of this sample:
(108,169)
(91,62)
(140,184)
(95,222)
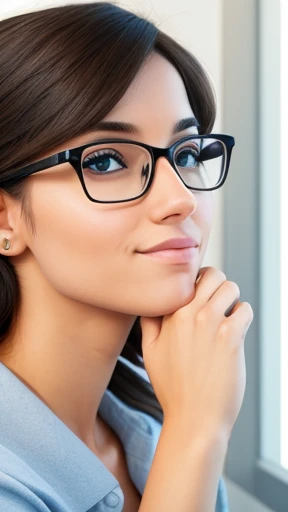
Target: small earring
(6,244)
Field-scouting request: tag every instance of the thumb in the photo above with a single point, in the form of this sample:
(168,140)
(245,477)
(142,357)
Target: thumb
(151,328)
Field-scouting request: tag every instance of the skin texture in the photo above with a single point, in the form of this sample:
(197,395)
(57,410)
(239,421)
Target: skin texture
(82,282)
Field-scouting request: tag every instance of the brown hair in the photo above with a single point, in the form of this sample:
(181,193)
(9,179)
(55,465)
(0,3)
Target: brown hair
(57,64)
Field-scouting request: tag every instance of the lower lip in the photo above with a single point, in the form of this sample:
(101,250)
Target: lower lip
(173,255)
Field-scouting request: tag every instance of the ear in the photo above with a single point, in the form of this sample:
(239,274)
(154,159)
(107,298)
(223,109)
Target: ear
(10,225)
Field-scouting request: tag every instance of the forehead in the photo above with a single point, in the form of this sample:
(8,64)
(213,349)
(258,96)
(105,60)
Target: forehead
(156,95)
(154,102)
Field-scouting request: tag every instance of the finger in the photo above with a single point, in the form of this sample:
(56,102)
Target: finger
(201,271)
(240,318)
(210,281)
(231,309)
(151,328)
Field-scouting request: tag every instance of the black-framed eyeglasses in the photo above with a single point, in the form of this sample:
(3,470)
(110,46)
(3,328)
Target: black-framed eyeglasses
(117,170)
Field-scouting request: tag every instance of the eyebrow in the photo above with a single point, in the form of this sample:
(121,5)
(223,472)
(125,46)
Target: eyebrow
(119,126)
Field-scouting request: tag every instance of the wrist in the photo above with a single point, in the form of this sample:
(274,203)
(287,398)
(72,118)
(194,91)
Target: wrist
(184,432)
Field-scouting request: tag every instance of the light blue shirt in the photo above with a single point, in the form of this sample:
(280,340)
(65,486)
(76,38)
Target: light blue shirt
(45,467)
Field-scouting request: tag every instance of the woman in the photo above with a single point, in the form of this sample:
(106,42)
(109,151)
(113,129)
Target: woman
(121,377)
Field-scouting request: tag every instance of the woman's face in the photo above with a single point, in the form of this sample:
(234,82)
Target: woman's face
(88,251)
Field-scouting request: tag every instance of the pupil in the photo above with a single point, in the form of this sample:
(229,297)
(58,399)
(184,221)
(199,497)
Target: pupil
(182,158)
(102,163)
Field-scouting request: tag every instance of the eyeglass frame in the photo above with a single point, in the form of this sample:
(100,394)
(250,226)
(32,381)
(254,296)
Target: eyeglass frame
(74,157)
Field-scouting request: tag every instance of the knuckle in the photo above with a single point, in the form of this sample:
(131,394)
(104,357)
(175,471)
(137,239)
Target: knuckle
(202,316)
(234,287)
(249,310)
(225,330)
(219,273)
(222,275)
(213,308)
(212,271)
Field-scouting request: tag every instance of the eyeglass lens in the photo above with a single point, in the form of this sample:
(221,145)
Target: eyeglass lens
(119,171)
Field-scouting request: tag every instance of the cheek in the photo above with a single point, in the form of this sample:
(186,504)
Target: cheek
(85,252)
(204,220)
(206,206)
(204,213)
(80,245)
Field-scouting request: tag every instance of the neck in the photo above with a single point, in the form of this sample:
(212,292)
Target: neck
(67,358)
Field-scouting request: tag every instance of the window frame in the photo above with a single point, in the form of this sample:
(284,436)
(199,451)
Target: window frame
(246,216)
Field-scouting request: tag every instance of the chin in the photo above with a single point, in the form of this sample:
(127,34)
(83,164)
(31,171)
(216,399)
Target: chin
(163,304)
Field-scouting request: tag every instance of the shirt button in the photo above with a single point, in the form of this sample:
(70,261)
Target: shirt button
(111,500)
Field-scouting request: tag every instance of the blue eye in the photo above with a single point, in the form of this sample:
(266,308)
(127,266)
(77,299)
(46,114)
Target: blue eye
(187,158)
(104,162)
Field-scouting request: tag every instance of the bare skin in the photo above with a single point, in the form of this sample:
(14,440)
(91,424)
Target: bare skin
(113,457)
(81,276)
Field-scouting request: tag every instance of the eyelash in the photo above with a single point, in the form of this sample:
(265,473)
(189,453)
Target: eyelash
(109,152)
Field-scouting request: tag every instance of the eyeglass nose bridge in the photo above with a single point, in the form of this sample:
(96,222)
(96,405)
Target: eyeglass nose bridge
(167,153)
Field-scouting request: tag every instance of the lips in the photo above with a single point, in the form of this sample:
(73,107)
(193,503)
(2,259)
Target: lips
(173,243)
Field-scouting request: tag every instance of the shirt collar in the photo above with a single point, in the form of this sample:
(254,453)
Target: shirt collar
(31,430)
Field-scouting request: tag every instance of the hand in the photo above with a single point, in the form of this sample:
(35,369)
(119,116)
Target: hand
(195,356)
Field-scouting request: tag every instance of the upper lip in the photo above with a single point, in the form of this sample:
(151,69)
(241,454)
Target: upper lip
(173,243)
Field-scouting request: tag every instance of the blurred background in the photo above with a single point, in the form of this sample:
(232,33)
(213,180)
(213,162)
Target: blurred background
(243,44)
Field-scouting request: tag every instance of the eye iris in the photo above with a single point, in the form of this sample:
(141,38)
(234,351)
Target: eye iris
(186,157)
(102,163)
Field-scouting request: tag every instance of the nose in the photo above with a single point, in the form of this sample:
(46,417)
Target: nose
(168,195)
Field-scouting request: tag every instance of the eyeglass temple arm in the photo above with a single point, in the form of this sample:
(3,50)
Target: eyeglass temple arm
(50,161)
